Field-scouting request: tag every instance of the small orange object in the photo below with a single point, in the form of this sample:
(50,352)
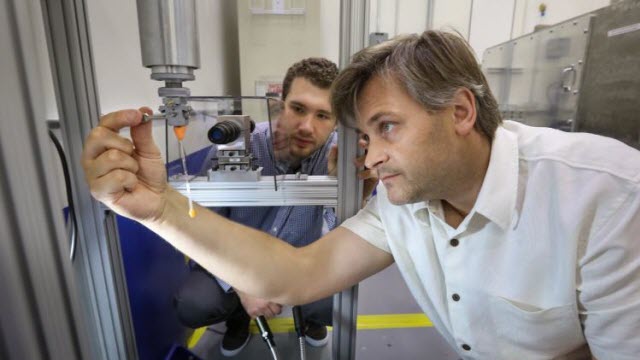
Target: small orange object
(192,213)
(180,131)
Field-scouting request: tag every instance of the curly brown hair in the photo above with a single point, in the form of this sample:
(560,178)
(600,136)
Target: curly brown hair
(319,71)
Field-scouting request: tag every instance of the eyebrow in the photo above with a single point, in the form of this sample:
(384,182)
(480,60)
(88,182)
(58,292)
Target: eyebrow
(372,121)
(297,103)
(293,102)
(375,118)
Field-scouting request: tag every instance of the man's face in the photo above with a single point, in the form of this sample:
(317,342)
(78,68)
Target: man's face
(306,122)
(414,151)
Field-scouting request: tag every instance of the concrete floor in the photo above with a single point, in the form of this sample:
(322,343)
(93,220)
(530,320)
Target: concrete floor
(384,293)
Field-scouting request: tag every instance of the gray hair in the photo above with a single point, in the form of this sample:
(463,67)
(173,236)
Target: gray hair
(431,67)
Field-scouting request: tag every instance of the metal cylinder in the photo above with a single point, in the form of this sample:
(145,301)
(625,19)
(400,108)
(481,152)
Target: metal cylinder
(169,38)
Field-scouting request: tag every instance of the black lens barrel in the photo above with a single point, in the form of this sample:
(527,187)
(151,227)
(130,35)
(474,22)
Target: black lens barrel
(224,132)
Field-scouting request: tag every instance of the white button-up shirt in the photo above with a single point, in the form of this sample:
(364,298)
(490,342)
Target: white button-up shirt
(546,262)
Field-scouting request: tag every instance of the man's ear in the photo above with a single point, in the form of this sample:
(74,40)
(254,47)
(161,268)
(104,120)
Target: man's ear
(464,111)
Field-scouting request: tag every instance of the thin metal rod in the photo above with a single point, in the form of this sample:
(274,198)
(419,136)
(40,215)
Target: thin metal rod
(147,117)
(429,20)
(513,19)
(470,21)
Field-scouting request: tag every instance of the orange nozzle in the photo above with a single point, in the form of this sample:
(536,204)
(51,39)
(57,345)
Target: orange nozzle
(180,131)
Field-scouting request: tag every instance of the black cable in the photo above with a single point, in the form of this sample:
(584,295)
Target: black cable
(67,183)
(298,322)
(267,335)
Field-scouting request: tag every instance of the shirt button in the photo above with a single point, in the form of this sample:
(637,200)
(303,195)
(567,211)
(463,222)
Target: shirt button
(454,242)
(466,347)
(455,297)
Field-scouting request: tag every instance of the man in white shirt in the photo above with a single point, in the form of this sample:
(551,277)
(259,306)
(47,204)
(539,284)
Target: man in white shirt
(517,242)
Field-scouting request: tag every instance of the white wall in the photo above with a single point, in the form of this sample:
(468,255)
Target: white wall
(265,45)
(122,80)
(484,23)
(452,15)
(270,43)
(557,11)
(496,21)
(490,24)
(330,29)
(412,15)
(396,17)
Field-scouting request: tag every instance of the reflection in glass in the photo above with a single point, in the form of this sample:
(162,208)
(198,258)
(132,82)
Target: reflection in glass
(234,139)
(219,144)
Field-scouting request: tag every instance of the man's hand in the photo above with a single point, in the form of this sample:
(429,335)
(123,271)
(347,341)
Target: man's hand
(258,307)
(129,177)
(332,161)
(369,176)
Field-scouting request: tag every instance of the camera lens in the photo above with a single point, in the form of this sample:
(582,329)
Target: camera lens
(224,132)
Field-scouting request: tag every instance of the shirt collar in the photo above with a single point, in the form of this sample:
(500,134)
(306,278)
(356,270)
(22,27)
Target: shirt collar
(497,197)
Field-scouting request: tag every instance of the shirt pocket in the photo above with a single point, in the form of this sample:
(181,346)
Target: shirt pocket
(529,332)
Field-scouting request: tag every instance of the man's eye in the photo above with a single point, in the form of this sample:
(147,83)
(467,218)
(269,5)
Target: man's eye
(386,127)
(298,109)
(364,138)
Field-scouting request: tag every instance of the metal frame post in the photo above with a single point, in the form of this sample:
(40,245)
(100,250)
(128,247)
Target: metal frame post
(41,316)
(98,267)
(353,33)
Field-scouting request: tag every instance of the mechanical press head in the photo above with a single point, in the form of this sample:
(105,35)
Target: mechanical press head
(169,41)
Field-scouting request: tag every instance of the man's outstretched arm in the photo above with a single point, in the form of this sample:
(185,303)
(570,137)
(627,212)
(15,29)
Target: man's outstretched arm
(129,177)
(258,264)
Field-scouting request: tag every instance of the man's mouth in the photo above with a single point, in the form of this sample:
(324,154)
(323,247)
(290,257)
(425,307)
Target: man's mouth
(280,144)
(387,177)
(302,142)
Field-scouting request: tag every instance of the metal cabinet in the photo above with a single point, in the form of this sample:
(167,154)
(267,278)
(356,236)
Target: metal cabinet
(579,75)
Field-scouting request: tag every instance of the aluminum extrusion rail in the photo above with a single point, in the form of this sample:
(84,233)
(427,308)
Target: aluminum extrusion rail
(314,190)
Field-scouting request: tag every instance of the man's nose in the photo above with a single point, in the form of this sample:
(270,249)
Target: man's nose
(375,156)
(306,124)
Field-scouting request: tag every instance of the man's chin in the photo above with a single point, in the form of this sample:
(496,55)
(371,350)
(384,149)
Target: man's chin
(301,153)
(396,197)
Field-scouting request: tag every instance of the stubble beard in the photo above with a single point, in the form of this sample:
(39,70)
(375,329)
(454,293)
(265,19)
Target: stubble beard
(403,191)
(414,189)
(408,194)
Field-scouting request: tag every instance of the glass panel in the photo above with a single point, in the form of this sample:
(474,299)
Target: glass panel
(218,141)
(242,52)
(225,143)
(536,77)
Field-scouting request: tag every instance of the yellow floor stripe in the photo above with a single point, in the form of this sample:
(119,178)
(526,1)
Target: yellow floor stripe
(365,322)
(393,321)
(195,337)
